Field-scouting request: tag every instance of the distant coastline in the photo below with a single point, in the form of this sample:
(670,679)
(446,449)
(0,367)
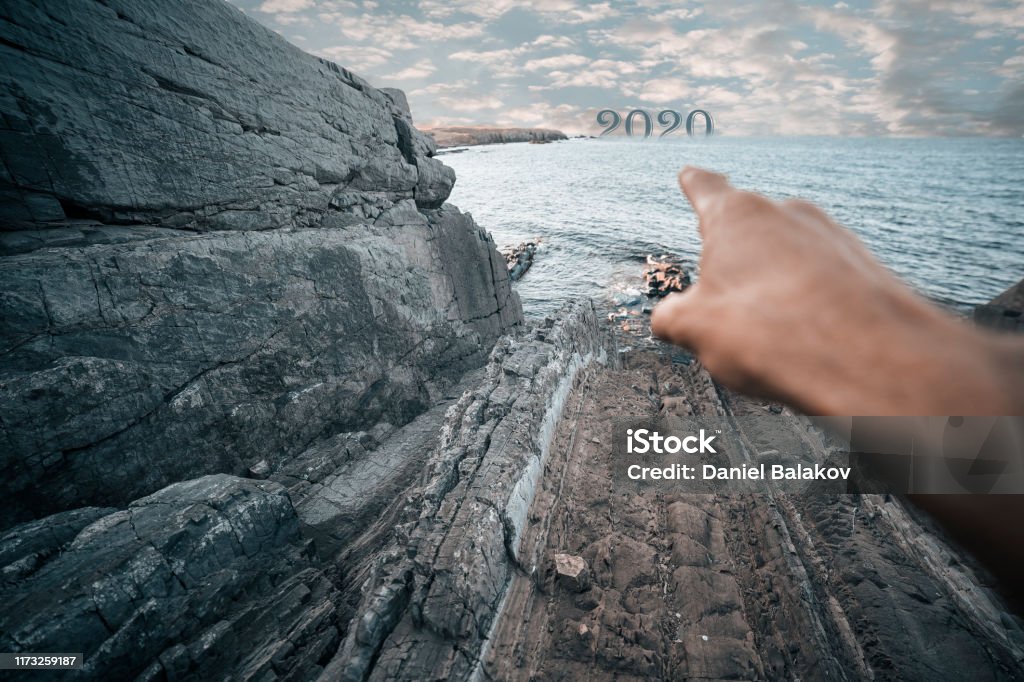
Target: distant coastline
(467,136)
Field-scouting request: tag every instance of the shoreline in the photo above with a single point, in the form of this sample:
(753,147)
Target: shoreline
(272,409)
(470,136)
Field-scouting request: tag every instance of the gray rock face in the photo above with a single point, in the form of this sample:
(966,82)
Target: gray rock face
(203,577)
(221,578)
(189,115)
(216,250)
(427,613)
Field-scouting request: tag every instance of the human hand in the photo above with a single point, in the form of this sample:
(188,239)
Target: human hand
(792,306)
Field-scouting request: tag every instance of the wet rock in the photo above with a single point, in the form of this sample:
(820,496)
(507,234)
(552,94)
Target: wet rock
(519,258)
(1005,311)
(663,276)
(572,572)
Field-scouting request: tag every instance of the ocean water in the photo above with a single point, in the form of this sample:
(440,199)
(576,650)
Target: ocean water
(947,215)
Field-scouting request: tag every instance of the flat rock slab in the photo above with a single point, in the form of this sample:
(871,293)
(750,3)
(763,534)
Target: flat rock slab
(349,501)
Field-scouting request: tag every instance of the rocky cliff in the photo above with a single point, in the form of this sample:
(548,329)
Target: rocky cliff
(267,411)
(216,250)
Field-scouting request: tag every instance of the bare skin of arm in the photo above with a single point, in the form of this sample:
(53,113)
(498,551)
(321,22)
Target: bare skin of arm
(793,307)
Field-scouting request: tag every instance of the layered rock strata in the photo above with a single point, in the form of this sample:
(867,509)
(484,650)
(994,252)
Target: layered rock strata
(268,411)
(381,554)
(204,578)
(732,586)
(439,586)
(217,250)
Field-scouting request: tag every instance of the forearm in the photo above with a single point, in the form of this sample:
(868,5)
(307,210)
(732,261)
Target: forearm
(913,360)
(1006,351)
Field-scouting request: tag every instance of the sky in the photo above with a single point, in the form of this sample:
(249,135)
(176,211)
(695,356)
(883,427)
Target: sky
(889,67)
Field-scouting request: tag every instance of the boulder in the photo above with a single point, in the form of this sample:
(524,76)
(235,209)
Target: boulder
(665,275)
(572,572)
(519,258)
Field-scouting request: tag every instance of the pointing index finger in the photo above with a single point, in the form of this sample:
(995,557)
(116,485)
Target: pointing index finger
(703,189)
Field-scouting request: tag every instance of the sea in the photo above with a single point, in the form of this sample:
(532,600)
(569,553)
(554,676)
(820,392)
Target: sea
(945,214)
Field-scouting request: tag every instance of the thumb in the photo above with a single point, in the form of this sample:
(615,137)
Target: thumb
(704,190)
(676,318)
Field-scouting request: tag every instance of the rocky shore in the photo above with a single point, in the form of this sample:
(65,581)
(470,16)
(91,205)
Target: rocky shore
(271,411)
(467,136)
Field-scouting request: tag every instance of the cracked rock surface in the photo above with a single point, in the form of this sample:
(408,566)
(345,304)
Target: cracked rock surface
(216,250)
(765,585)
(202,575)
(435,592)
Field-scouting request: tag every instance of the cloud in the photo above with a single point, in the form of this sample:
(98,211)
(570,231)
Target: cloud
(677,14)
(580,79)
(484,57)
(561,61)
(464,86)
(1013,67)
(396,31)
(899,67)
(590,13)
(558,11)
(553,41)
(564,117)
(664,90)
(470,104)
(357,57)
(917,52)
(284,6)
(445,121)
(420,69)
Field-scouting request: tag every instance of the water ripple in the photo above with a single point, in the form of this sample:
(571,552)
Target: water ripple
(945,214)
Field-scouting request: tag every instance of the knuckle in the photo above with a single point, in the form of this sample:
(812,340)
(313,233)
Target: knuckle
(744,203)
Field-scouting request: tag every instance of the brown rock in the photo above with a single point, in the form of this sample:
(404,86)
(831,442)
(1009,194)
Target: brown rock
(665,275)
(572,572)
